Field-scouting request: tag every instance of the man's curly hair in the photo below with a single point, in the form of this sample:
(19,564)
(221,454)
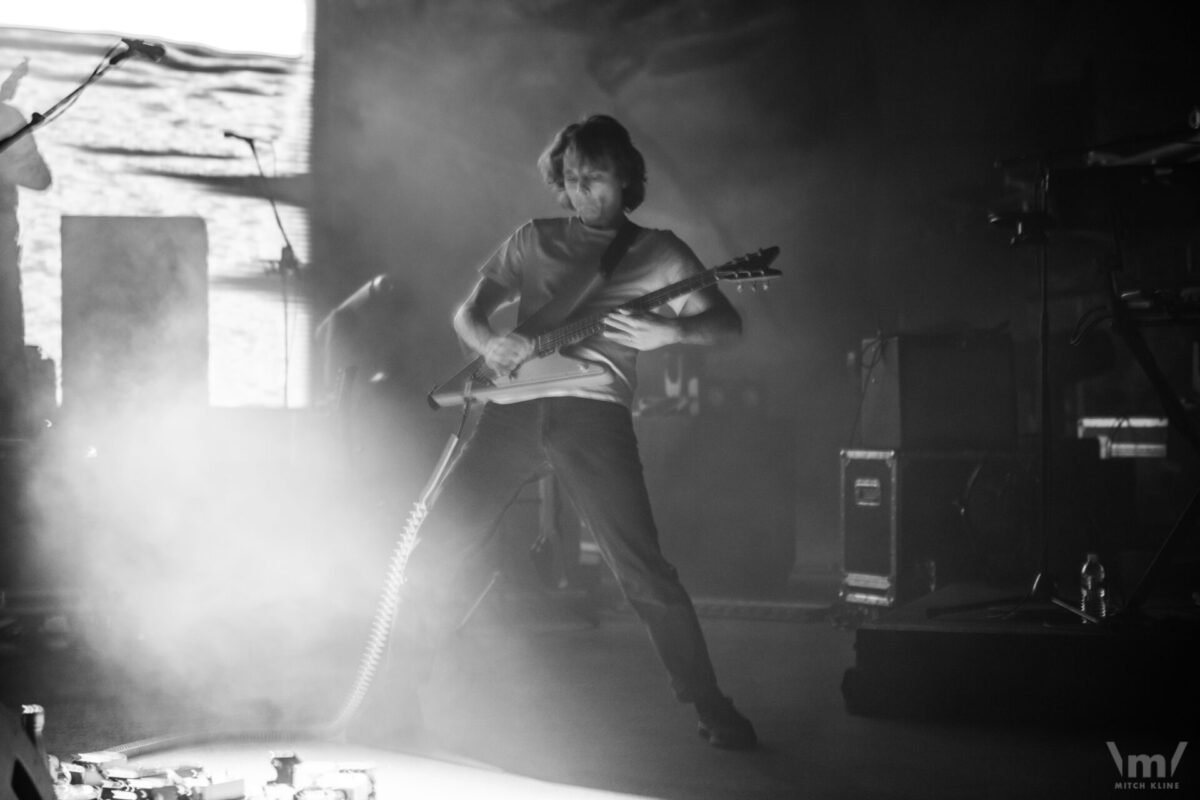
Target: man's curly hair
(596,139)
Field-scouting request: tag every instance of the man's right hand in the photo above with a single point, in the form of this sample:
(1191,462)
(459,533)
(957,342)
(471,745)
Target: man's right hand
(503,354)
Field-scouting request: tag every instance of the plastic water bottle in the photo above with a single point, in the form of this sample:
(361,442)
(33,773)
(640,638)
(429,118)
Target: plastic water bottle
(33,721)
(1093,599)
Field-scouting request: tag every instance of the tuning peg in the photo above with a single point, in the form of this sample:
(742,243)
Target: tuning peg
(739,287)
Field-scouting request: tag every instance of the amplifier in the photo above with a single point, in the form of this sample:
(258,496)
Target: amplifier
(939,392)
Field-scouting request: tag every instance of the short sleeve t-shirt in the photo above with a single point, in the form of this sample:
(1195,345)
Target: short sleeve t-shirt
(546,256)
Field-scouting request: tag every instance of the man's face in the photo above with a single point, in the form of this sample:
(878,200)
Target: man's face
(594,189)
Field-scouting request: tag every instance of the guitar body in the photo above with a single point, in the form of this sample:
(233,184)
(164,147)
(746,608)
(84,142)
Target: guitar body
(551,373)
(539,377)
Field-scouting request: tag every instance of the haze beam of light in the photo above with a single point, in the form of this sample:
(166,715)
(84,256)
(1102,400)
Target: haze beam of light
(221,552)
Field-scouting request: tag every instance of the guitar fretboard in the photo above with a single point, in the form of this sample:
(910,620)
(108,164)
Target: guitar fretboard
(593,324)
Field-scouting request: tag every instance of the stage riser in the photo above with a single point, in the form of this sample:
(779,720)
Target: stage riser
(1025,672)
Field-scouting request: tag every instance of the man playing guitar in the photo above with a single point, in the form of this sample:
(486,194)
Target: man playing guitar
(583,433)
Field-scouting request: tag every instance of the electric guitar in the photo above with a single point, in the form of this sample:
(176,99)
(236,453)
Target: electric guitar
(549,372)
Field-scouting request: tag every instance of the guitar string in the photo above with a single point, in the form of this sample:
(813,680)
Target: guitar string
(552,341)
(591,325)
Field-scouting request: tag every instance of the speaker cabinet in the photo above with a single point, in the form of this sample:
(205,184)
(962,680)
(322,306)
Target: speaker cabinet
(722,490)
(938,392)
(134,313)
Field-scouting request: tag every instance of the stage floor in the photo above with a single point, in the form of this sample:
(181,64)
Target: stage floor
(532,690)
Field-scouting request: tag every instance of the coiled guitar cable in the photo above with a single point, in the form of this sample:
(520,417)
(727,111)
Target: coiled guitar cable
(389,600)
(377,639)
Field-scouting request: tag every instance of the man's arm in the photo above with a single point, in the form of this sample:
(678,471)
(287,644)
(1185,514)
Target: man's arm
(707,318)
(502,352)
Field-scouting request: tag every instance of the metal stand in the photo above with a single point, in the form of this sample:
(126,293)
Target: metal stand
(588,608)
(288,263)
(1029,228)
(1127,329)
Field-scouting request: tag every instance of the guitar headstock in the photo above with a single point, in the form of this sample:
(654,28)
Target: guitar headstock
(753,268)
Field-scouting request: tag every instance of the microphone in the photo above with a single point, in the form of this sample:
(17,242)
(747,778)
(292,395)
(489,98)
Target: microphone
(250,140)
(150,50)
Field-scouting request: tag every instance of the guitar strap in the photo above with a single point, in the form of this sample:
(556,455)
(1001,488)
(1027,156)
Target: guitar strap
(618,247)
(563,305)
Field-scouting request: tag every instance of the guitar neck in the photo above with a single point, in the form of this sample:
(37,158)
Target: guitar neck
(593,324)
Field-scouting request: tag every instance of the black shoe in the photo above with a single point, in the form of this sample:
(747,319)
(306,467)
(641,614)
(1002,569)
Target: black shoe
(723,726)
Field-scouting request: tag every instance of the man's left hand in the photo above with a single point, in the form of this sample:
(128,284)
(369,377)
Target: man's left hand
(640,331)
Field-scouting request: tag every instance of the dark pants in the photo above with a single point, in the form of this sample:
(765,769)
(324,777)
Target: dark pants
(591,447)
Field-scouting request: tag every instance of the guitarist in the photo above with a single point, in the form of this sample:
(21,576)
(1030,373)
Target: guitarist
(585,435)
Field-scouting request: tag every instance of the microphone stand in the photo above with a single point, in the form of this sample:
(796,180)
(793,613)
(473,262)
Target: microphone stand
(288,263)
(1029,228)
(110,59)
